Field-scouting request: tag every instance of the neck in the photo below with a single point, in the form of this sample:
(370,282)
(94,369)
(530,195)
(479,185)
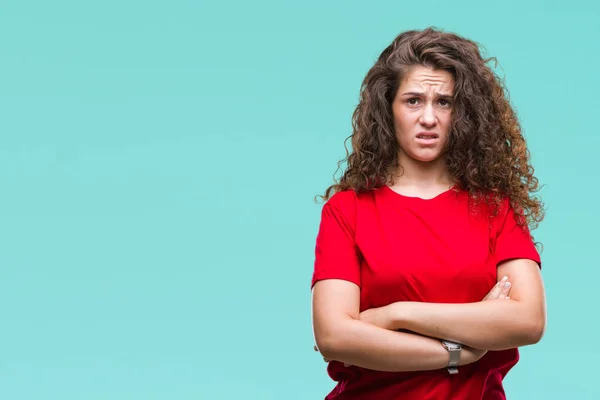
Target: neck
(411,172)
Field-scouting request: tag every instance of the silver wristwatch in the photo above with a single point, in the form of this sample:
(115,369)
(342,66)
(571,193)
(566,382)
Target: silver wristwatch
(454,350)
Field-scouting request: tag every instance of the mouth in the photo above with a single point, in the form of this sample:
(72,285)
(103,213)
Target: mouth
(427,137)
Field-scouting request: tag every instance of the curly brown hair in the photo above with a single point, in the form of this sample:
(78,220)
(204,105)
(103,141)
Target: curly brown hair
(487,154)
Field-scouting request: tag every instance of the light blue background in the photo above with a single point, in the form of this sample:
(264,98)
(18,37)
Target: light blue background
(158,162)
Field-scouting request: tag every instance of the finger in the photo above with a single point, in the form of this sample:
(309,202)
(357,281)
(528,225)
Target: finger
(505,289)
(500,287)
(496,290)
(494,293)
(489,295)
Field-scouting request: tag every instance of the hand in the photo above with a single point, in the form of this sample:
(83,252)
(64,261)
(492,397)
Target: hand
(500,291)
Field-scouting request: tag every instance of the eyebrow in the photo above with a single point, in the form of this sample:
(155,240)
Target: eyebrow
(419,94)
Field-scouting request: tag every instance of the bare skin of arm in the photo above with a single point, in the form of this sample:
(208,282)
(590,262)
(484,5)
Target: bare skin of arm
(489,325)
(342,336)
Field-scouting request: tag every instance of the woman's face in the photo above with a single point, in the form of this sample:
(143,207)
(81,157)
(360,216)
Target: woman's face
(422,111)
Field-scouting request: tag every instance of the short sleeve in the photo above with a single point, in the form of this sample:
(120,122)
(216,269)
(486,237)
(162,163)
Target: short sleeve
(513,241)
(336,253)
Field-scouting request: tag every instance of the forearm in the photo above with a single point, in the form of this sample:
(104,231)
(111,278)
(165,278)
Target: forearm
(358,343)
(489,325)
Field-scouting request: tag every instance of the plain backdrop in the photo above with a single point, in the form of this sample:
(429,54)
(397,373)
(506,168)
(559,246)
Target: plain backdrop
(158,167)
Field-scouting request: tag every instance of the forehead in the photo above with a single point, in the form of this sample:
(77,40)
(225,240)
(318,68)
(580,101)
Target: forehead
(428,79)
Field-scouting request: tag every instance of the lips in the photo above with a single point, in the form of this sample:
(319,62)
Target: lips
(427,135)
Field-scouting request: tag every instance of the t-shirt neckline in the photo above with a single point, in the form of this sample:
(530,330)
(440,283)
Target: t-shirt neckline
(421,199)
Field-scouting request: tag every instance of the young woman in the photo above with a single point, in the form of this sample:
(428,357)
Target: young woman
(426,277)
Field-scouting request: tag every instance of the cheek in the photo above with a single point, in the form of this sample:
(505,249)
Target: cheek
(403,124)
(445,124)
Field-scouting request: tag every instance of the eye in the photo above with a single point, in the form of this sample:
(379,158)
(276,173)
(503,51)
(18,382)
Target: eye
(444,103)
(412,101)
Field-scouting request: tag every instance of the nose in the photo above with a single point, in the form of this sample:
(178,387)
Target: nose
(428,117)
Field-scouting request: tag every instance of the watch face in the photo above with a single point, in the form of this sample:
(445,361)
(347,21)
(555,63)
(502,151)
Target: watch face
(451,345)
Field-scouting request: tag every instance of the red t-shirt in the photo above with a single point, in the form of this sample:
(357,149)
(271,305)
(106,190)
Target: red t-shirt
(401,248)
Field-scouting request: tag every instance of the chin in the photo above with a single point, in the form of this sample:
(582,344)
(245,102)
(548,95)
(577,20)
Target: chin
(425,158)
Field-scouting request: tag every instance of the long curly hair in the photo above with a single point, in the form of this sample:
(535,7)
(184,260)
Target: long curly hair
(487,154)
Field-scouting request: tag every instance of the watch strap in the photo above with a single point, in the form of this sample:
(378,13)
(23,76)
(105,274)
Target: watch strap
(454,351)
(454,359)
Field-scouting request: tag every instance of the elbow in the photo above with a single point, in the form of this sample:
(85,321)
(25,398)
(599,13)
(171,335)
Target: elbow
(534,332)
(333,338)
(332,342)
(537,332)
(329,346)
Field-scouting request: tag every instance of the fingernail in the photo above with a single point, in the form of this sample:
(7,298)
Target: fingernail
(505,278)
(507,284)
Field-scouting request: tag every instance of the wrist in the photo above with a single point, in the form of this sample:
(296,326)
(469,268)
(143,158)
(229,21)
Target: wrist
(466,356)
(470,355)
(456,356)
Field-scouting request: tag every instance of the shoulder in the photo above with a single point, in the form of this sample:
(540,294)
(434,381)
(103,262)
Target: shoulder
(343,204)
(344,199)
(504,208)
(493,204)
(505,216)
(350,204)
(349,200)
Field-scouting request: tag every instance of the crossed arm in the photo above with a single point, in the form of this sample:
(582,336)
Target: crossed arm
(371,339)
